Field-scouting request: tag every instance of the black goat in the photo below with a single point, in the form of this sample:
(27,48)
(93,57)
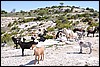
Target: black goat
(42,38)
(15,41)
(92,31)
(25,45)
(57,35)
(77,29)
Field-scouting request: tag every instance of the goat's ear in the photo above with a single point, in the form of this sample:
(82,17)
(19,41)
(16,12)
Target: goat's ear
(81,42)
(19,38)
(33,38)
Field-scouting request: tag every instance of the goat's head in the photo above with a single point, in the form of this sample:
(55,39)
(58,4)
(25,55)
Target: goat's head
(18,40)
(33,38)
(80,42)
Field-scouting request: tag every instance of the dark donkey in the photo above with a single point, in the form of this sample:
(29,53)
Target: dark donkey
(25,45)
(92,31)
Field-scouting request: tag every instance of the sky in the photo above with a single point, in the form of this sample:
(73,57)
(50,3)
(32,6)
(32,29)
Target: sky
(31,5)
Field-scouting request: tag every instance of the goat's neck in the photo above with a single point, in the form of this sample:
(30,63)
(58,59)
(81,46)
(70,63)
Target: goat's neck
(19,42)
(34,48)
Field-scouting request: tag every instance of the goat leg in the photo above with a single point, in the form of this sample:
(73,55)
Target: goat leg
(35,59)
(16,46)
(90,50)
(33,54)
(93,34)
(43,56)
(38,59)
(80,49)
(22,52)
(87,34)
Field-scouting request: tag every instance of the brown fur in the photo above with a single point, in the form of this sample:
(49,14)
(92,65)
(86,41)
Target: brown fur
(33,46)
(39,52)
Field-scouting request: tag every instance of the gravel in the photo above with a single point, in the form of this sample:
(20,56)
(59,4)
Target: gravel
(66,55)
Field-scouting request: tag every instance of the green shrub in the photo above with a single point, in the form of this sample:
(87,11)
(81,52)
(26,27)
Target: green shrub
(6,37)
(48,37)
(50,29)
(2,32)
(14,28)
(49,46)
(10,43)
(41,24)
(94,24)
(9,25)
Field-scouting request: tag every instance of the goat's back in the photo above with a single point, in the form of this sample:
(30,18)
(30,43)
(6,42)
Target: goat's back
(85,44)
(39,51)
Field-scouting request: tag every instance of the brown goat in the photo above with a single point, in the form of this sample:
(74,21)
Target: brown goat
(38,51)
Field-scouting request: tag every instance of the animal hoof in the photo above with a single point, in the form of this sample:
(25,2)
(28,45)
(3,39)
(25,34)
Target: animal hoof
(89,53)
(80,52)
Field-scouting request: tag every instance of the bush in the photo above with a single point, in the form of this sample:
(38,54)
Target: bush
(48,37)
(94,24)
(6,37)
(14,28)
(41,24)
(50,29)
(10,43)
(9,25)
(49,46)
(2,32)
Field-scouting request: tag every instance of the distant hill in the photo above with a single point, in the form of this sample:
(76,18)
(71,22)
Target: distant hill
(51,18)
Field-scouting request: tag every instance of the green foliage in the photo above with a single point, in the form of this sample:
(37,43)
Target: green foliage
(32,27)
(14,33)
(94,24)
(42,12)
(3,12)
(61,3)
(48,37)
(77,22)
(10,24)
(95,14)
(41,24)
(2,32)
(6,37)
(87,19)
(72,8)
(68,10)
(63,23)
(14,28)
(50,29)
(25,20)
(41,18)
(49,46)
(10,43)
(54,7)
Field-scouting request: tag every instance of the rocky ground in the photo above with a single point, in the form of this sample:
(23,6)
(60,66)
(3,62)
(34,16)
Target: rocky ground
(66,55)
